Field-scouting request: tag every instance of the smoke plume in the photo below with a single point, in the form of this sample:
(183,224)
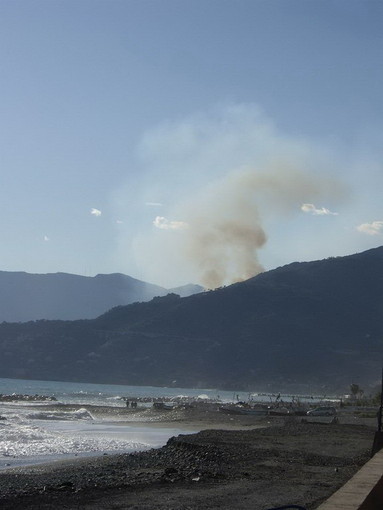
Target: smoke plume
(225,222)
(219,184)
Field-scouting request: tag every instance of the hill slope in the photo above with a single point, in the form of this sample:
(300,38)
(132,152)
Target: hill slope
(304,326)
(25,296)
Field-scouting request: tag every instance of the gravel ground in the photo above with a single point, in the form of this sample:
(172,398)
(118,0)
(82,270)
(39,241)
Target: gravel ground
(287,462)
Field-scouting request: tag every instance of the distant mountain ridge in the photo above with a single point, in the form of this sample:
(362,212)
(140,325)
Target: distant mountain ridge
(311,326)
(26,296)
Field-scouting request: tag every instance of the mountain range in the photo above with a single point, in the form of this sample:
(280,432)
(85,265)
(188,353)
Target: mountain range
(304,327)
(25,297)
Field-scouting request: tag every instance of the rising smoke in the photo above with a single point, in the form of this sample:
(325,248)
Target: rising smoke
(225,223)
(223,183)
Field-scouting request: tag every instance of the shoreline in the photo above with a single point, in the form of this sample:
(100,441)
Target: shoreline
(178,421)
(269,462)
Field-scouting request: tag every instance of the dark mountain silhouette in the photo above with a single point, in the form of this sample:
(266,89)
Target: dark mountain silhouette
(25,297)
(314,326)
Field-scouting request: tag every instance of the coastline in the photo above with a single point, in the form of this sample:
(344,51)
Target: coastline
(117,429)
(233,462)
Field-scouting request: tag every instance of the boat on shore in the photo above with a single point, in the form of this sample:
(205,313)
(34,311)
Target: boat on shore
(162,406)
(259,410)
(263,410)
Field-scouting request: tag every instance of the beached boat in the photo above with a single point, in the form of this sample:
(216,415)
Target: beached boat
(240,409)
(280,411)
(162,406)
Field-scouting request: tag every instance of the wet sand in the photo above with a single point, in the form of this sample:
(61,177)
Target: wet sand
(231,464)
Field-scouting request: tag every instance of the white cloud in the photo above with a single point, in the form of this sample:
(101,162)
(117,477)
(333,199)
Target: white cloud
(165,224)
(311,209)
(46,238)
(374,228)
(95,212)
(154,204)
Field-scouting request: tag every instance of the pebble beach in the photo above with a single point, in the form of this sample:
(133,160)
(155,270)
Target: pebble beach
(230,461)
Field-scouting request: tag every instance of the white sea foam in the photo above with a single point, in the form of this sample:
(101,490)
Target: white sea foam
(80,414)
(32,432)
(26,436)
(27,440)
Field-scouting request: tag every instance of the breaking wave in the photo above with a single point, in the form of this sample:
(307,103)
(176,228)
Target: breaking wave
(80,414)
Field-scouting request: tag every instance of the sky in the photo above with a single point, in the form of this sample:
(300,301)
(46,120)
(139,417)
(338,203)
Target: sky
(181,141)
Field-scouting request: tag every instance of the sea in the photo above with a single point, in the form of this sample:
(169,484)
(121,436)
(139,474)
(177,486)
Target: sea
(92,419)
(33,432)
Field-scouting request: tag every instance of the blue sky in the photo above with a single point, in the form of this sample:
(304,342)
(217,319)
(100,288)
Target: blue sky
(188,141)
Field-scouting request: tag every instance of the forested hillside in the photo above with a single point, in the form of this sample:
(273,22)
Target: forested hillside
(304,326)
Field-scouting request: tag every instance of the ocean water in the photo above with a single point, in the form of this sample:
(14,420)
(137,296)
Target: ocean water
(105,394)
(89,419)
(35,432)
